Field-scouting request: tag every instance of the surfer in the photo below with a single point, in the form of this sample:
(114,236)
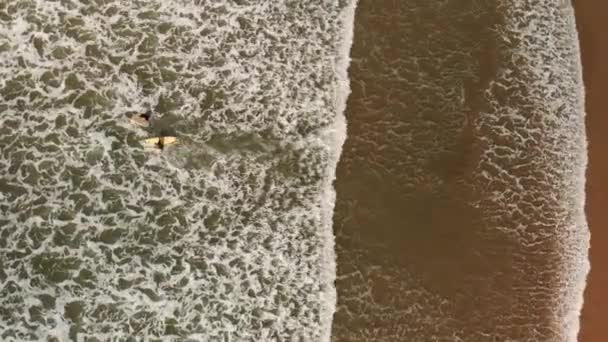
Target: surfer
(163,136)
(143,119)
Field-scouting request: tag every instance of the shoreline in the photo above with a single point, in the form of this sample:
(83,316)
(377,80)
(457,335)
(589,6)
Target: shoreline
(335,136)
(590,21)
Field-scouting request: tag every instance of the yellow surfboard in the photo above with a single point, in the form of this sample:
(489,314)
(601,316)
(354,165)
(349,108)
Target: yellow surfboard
(154,142)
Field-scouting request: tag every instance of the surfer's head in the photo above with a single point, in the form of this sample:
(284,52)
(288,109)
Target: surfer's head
(147,115)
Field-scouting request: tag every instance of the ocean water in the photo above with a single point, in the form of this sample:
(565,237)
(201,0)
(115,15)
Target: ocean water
(460,188)
(225,236)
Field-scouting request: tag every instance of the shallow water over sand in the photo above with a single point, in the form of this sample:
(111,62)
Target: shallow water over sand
(459,214)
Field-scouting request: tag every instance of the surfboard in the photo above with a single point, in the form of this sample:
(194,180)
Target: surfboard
(153,142)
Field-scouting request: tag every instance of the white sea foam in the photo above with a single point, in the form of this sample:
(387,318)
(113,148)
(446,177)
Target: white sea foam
(335,136)
(577,266)
(226,235)
(554,132)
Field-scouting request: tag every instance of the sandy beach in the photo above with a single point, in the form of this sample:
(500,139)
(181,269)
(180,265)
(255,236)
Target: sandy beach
(591,21)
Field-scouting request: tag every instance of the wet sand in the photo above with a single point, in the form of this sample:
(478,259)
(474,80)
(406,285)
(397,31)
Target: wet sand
(591,22)
(452,218)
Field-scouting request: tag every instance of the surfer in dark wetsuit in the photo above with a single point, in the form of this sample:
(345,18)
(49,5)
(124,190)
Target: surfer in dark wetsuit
(143,120)
(147,116)
(160,128)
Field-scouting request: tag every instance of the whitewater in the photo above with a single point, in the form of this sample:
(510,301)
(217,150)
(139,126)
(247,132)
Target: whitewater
(226,236)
